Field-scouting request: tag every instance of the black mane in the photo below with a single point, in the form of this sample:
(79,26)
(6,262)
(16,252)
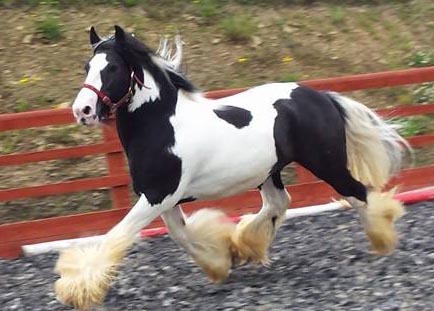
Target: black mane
(138,54)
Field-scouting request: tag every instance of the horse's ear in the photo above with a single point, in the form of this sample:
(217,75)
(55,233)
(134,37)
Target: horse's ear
(93,36)
(119,34)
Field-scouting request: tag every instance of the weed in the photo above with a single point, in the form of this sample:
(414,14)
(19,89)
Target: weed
(425,93)
(22,105)
(50,2)
(246,2)
(7,144)
(12,142)
(130,3)
(290,77)
(421,59)
(42,100)
(412,126)
(238,28)
(208,10)
(337,15)
(49,27)
(62,136)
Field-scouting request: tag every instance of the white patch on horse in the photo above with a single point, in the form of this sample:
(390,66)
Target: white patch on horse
(86,97)
(149,93)
(251,150)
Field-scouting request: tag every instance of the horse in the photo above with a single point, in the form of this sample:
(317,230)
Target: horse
(183,147)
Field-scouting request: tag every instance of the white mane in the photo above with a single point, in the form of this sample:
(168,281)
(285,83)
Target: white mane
(169,59)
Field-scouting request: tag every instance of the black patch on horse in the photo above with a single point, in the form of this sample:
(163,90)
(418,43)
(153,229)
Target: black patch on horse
(310,129)
(236,116)
(147,134)
(155,171)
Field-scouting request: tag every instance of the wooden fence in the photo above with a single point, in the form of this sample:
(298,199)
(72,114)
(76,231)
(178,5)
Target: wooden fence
(306,191)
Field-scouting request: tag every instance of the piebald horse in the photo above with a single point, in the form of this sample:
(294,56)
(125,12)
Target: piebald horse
(183,147)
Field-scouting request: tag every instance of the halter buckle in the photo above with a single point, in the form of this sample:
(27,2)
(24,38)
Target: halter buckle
(106,100)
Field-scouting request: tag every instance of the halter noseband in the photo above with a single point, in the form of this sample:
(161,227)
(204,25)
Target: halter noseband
(125,99)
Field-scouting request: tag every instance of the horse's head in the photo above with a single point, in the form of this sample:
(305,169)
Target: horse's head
(125,72)
(110,79)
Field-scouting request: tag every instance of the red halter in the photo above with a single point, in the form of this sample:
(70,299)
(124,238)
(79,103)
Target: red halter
(107,100)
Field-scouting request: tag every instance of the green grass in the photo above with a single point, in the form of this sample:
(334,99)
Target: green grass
(208,10)
(16,141)
(337,15)
(131,3)
(424,93)
(421,59)
(22,105)
(412,126)
(49,27)
(62,135)
(366,24)
(290,77)
(238,27)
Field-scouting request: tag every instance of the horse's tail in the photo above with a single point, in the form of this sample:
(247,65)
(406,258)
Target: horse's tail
(374,148)
(375,153)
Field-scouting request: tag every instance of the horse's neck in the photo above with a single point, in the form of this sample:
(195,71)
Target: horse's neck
(155,88)
(142,121)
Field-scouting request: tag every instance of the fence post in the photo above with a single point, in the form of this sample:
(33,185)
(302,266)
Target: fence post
(120,195)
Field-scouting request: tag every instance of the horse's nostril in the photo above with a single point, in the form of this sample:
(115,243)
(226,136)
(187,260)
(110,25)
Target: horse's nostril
(83,121)
(86,110)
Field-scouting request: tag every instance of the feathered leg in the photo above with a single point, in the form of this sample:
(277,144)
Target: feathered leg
(255,233)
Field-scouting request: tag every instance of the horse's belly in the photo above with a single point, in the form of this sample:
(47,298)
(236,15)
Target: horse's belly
(218,188)
(234,175)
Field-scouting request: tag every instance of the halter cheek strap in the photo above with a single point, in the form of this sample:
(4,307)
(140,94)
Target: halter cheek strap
(126,98)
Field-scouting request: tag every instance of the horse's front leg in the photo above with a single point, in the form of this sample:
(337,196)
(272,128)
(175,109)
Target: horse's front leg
(255,232)
(86,273)
(206,237)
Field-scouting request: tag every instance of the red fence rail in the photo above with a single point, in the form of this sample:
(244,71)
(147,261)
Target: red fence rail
(307,191)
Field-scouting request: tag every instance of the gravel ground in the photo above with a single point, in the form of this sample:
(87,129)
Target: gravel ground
(319,263)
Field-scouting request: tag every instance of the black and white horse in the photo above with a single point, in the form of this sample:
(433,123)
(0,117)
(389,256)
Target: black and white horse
(183,147)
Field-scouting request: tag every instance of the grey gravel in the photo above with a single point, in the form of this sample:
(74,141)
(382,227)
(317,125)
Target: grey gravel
(319,263)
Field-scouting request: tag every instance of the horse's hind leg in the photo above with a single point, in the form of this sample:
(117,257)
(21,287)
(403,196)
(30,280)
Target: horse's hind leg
(378,211)
(206,237)
(255,233)
(378,215)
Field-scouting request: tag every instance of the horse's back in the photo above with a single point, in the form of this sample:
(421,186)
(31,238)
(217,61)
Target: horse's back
(235,143)
(259,97)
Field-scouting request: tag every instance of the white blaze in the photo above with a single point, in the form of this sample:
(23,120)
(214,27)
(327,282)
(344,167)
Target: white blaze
(87,97)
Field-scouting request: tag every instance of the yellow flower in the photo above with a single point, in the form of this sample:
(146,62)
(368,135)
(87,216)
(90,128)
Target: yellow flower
(287,59)
(24,80)
(242,60)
